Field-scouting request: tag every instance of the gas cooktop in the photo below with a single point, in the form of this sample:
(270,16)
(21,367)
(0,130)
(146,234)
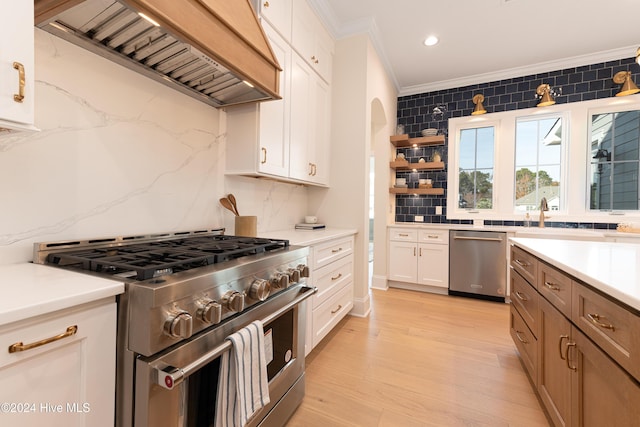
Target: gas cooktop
(152,258)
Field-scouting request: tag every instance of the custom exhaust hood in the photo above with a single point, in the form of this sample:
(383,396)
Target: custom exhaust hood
(212,50)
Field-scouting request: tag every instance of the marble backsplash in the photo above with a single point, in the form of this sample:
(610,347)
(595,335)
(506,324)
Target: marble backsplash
(120,154)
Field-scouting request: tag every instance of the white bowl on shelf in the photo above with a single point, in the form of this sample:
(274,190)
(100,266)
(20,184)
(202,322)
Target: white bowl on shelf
(429,132)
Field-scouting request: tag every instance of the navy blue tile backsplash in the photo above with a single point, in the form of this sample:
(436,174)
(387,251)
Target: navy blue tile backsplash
(415,113)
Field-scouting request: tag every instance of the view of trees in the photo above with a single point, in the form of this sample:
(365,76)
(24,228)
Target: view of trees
(526,181)
(476,189)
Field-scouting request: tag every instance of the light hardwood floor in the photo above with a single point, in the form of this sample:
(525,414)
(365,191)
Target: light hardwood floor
(419,360)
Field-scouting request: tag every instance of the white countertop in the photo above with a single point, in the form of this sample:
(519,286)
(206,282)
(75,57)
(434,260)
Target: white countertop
(613,268)
(30,290)
(308,237)
(519,231)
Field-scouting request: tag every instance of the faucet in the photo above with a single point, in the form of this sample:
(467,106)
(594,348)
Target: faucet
(543,208)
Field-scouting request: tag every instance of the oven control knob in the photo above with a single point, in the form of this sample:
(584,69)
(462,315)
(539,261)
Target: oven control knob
(259,289)
(209,311)
(233,300)
(294,275)
(179,325)
(279,281)
(303,269)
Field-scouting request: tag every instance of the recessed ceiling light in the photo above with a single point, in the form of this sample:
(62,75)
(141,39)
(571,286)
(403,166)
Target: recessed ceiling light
(430,41)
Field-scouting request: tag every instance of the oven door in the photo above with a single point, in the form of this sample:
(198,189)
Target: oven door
(179,386)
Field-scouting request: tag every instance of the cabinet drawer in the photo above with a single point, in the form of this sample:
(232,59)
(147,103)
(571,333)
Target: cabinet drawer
(525,299)
(331,277)
(524,263)
(403,235)
(327,252)
(615,329)
(555,286)
(433,236)
(328,314)
(526,344)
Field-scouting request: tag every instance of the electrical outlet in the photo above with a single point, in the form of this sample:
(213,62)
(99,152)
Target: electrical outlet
(419,218)
(438,210)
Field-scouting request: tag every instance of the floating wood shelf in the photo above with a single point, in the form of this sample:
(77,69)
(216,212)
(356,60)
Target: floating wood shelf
(427,191)
(405,141)
(417,166)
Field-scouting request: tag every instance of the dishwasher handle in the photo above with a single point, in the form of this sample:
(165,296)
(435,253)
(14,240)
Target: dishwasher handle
(484,239)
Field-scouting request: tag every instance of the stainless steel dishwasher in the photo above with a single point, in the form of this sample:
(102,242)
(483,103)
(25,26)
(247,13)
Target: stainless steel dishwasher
(478,264)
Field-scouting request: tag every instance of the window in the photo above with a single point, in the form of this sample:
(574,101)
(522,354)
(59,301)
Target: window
(538,160)
(615,141)
(475,163)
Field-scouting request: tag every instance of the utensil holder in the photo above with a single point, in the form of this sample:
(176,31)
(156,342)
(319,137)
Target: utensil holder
(246,226)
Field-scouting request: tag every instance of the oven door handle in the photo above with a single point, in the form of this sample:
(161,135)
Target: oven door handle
(170,376)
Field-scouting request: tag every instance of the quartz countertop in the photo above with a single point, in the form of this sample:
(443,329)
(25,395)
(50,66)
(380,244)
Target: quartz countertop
(613,268)
(518,231)
(30,290)
(308,237)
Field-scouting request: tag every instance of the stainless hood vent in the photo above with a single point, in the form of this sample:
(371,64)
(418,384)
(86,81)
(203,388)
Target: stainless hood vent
(212,50)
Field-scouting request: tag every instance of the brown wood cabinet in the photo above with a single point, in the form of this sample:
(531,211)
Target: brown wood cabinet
(586,365)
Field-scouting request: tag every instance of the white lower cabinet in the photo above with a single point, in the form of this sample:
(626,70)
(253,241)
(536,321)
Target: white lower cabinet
(419,259)
(65,374)
(331,271)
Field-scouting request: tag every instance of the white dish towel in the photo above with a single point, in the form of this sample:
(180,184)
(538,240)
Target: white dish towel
(243,387)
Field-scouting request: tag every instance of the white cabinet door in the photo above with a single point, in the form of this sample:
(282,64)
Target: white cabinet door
(67,382)
(311,40)
(402,262)
(16,65)
(310,124)
(302,81)
(258,134)
(278,13)
(274,115)
(433,265)
(319,145)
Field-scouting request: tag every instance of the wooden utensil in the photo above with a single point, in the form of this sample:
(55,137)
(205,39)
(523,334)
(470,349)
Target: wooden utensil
(232,199)
(227,204)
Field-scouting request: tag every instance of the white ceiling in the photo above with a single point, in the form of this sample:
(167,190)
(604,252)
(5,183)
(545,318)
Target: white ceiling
(485,40)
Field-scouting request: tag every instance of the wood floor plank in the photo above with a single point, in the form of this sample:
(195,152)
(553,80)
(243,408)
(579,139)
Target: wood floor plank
(419,359)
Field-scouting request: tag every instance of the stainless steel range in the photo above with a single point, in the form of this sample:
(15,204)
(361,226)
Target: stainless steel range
(185,293)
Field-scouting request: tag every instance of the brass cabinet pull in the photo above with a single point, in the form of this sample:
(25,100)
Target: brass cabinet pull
(433,236)
(337,277)
(19,346)
(314,59)
(19,97)
(335,251)
(595,318)
(521,263)
(522,340)
(414,251)
(314,169)
(403,235)
(521,296)
(573,368)
(264,156)
(420,252)
(551,286)
(310,169)
(265,4)
(337,309)
(562,337)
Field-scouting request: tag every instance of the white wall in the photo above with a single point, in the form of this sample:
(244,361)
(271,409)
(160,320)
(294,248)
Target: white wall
(120,154)
(358,79)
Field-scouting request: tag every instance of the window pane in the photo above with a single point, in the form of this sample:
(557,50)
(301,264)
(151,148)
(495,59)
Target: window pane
(615,142)
(475,180)
(538,160)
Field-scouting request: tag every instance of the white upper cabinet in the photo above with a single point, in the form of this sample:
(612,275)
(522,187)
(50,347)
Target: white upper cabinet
(258,134)
(16,66)
(278,13)
(311,40)
(310,124)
